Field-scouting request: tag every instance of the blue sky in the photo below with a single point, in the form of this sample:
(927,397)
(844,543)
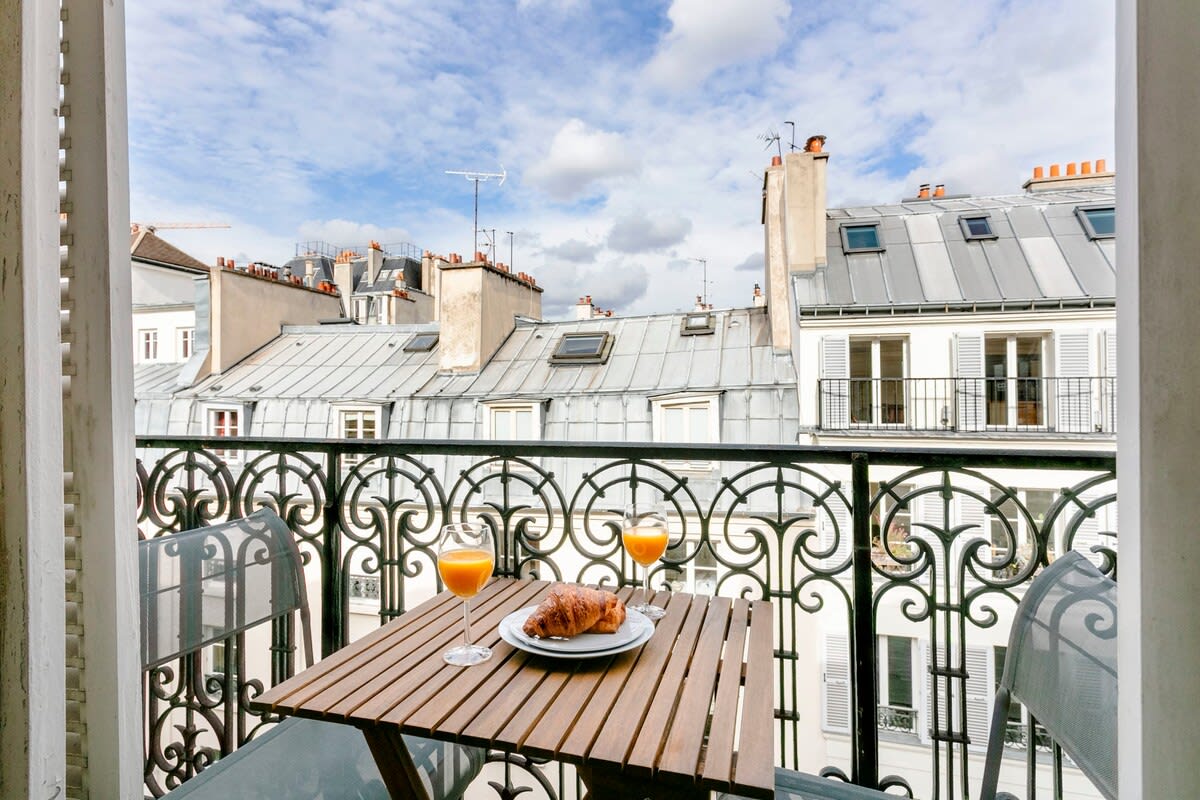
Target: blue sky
(631,132)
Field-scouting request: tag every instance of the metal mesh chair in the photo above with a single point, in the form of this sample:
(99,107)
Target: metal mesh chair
(203,586)
(1061,664)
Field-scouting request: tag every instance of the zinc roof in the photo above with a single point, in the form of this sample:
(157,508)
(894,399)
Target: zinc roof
(1040,252)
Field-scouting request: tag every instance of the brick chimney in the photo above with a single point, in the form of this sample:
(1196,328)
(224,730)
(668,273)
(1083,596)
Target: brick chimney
(374,261)
(478,304)
(794,216)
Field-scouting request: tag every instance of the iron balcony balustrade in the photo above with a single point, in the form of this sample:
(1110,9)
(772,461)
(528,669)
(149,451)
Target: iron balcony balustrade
(970,405)
(801,526)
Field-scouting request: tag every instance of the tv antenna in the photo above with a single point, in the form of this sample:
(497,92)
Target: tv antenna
(154,226)
(479,177)
(771,138)
(510,249)
(792,146)
(704,283)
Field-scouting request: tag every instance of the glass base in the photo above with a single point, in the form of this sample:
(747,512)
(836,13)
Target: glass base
(466,655)
(651,612)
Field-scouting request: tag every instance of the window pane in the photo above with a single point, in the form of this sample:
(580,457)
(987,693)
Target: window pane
(698,424)
(673,425)
(502,424)
(891,358)
(524,424)
(900,688)
(1103,220)
(860,380)
(232,422)
(580,345)
(861,237)
(1029,356)
(978,226)
(860,358)
(368,426)
(349,425)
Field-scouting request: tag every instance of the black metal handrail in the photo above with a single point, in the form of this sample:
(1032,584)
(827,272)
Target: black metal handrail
(1077,405)
(811,528)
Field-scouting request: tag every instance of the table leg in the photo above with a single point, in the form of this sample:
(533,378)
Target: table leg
(602,784)
(400,775)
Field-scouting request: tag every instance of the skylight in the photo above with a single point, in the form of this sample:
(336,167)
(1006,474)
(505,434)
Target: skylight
(977,227)
(577,348)
(697,325)
(1098,223)
(861,238)
(421,343)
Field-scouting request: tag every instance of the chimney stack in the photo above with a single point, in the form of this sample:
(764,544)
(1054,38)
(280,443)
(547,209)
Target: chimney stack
(794,221)
(1079,175)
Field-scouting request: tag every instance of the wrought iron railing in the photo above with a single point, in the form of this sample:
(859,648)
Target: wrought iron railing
(1027,405)
(843,541)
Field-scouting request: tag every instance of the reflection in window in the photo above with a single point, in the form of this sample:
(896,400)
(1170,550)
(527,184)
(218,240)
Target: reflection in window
(1014,370)
(860,238)
(1098,223)
(877,395)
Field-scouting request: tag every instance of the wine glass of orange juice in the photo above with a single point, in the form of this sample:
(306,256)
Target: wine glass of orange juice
(466,556)
(644,534)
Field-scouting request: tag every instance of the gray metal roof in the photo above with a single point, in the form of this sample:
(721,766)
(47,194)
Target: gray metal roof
(156,379)
(1040,252)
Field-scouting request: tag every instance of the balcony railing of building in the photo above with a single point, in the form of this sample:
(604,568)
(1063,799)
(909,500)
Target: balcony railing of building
(966,530)
(973,405)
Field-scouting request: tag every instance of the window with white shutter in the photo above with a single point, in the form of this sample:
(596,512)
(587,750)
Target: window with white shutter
(980,685)
(971,410)
(835,679)
(835,382)
(1072,359)
(1108,384)
(834,526)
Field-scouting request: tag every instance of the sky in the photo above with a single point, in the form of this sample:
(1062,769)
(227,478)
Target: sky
(634,135)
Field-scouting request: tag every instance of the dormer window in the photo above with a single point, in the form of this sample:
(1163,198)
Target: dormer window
(421,343)
(697,325)
(976,227)
(1098,222)
(861,238)
(582,348)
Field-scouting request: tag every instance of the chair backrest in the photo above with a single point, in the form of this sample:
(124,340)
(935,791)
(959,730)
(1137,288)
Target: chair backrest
(202,586)
(1062,665)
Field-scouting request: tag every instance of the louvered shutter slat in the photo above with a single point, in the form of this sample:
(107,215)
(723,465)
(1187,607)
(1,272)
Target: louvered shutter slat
(979,687)
(1073,384)
(969,387)
(835,384)
(836,678)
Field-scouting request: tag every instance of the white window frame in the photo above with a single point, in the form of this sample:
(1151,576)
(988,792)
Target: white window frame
(148,344)
(492,408)
(693,573)
(876,420)
(341,412)
(1025,536)
(381,311)
(710,401)
(362,310)
(185,343)
(239,427)
(1012,402)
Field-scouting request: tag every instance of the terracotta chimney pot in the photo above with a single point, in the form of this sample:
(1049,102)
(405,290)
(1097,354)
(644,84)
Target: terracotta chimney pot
(814,144)
(1101,166)
(923,192)
(776,161)
(1055,170)
(1039,173)
(1071,168)
(939,190)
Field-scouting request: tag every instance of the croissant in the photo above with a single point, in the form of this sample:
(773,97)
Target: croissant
(569,610)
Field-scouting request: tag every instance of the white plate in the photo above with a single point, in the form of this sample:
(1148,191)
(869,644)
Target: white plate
(636,630)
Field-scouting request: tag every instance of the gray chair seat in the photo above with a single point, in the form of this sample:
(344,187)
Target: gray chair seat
(791,785)
(304,758)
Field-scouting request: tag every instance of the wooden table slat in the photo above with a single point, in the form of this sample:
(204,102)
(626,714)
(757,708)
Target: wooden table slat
(588,724)
(336,665)
(641,691)
(379,696)
(755,764)
(718,761)
(681,752)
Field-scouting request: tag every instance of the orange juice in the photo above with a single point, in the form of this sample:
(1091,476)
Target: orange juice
(645,545)
(465,572)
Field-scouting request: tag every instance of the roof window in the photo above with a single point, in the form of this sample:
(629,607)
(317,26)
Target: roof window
(976,227)
(697,325)
(582,348)
(861,238)
(1098,222)
(421,343)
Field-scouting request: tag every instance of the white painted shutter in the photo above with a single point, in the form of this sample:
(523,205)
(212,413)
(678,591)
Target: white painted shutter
(836,681)
(835,512)
(970,512)
(972,408)
(1108,392)
(942,721)
(980,687)
(1073,385)
(835,384)
(1087,535)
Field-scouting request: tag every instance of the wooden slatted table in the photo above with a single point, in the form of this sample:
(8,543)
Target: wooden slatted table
(634,724)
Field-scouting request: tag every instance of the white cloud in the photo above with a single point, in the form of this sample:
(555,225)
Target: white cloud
(578,156)
(706,36)
(639,232)
(617,285)
(573,250)
(347,232)
(753,263)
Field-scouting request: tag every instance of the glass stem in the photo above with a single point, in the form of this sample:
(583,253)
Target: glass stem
(466,622)
(646,586)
